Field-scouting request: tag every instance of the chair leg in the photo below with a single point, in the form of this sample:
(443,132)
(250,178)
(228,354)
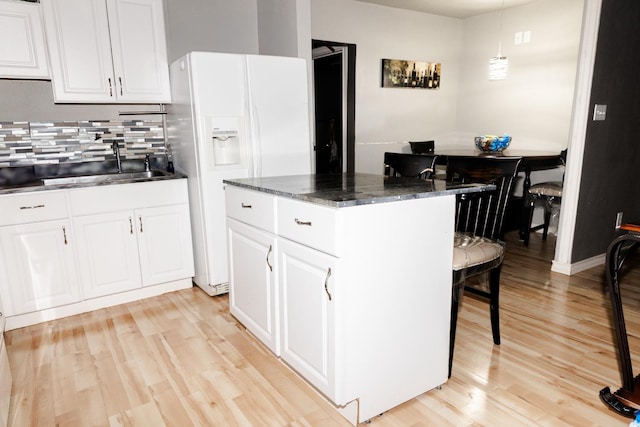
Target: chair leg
(547,220)
(528,211)
(494,303)
(455,304)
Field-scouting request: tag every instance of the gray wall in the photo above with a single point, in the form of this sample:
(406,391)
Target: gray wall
(612,149)
(211,25)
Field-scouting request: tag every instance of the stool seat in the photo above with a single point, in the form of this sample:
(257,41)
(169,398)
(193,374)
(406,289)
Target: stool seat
(470,250)
(548,189)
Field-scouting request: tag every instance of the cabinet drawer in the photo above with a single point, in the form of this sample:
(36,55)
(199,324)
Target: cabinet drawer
(251,207)
(33,207)
(312,225)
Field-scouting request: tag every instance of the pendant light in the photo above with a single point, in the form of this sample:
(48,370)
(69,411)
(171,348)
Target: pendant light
(499,65)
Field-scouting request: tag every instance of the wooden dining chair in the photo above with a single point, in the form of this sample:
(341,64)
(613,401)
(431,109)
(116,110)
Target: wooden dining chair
(478,246)
(409,165)
(422,147)
(548,193)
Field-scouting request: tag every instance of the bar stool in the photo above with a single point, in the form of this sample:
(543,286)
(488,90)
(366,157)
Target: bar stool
(625,400)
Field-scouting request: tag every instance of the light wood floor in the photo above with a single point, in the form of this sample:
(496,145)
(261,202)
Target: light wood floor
(181,359)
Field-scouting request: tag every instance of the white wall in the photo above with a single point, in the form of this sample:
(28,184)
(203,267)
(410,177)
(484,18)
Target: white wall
(534,104)
(385,117)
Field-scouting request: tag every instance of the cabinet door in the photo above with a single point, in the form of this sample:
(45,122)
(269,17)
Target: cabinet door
(308,281)
(79,50)
(139,50)
(5,383)
(40,266)
(253,287)
(107,253)
(164,243)
(22,50)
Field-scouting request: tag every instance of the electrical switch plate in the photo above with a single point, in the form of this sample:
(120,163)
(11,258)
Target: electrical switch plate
(599,112)
(526,37)
(518,38)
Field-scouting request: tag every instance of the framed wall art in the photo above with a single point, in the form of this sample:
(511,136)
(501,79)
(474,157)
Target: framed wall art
(410,74)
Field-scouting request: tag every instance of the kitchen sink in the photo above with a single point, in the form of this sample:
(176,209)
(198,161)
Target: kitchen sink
(109,177)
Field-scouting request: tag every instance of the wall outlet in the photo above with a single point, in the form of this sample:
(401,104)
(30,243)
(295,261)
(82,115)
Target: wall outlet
(618,219)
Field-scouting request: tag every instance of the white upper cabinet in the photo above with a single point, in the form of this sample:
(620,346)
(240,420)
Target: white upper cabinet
(107,51)
(22,47)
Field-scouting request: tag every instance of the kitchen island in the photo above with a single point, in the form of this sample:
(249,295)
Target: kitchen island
(347,279)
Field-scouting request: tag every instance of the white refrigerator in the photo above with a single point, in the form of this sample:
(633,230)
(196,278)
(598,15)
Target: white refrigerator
(233,116)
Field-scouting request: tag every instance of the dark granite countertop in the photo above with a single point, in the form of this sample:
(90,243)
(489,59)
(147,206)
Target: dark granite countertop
(55,177)
(353,189)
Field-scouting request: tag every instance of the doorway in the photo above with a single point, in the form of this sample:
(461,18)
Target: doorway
(334,94)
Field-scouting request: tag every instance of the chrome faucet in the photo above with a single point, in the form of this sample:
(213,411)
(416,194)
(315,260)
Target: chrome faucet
(147,167)
(116,151)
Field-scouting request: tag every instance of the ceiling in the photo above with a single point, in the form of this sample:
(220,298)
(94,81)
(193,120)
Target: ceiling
(451,8)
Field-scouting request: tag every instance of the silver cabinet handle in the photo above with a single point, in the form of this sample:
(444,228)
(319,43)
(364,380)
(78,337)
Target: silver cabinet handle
(130,226)
(326,288)
(246,206)
(269,253)
(110,87)
(140,219)
(31,207)
(120,81)
(64,234)
(299,222)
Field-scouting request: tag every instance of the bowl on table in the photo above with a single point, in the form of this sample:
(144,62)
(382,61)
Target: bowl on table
(492,143)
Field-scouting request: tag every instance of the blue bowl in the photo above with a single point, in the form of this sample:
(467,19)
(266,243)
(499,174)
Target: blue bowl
(492,144)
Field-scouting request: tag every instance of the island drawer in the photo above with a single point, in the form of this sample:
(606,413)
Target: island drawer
(33,207)
(251,207)
(309,224)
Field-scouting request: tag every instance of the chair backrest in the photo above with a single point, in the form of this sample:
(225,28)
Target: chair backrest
(409,165)
(482,214)
(422,147)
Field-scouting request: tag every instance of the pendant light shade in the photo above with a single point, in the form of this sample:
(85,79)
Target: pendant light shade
(499,65)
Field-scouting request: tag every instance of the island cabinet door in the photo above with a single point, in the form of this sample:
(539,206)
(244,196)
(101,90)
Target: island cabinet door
(253,288)
(308,288)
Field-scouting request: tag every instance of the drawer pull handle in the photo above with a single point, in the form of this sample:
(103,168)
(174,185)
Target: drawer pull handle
(246,206)
(110,87)
(64,234)
(269,253)
(130,226)
(31,207)
(326,288)
(140,219)
(302,222)
(120,81)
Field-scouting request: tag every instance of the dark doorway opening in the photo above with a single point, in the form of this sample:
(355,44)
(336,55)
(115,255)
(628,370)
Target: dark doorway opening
(334,92)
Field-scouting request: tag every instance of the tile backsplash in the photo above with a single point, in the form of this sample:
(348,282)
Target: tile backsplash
(32,143)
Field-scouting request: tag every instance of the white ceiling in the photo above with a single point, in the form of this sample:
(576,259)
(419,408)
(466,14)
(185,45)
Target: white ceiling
(452,8)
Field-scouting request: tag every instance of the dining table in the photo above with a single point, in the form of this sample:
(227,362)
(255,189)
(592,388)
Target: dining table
(532,160)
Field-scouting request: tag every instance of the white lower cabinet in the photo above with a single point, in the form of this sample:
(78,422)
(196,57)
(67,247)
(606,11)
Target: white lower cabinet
(40,263)
(121,251)
(164,243)
(64,252)
(5,383)
(363,292)
(107,253)
(254,298)
(308,286)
